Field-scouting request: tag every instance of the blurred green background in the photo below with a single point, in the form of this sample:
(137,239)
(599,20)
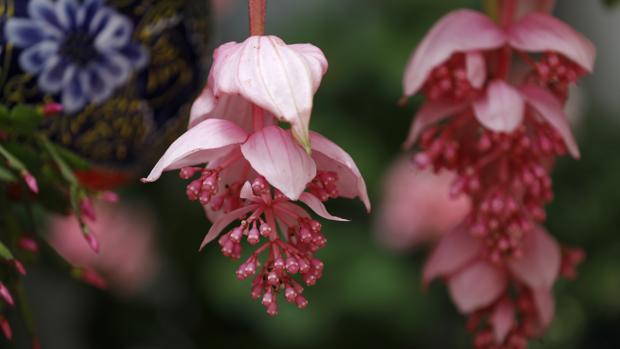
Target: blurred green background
(369,296)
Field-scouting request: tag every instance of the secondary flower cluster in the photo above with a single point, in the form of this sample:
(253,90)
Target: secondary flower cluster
(499,129)
(257,172)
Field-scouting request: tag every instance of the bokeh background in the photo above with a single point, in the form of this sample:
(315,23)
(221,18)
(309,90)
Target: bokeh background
(370,296)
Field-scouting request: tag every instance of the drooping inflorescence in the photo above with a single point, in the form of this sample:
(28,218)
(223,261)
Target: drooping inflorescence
(494,116)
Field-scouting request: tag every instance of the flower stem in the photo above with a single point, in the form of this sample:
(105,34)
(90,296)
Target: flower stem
(257,10)
(508,11)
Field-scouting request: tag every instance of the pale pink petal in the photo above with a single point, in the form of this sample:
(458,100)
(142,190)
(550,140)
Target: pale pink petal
(198,145)
(545,305)
(453,252)
(247,192)
(350,181)
(316,62)
(428,114)
(229,107)
(284,164)
(277,77)
(540,264)
(476,286)
(502,320)
(501,109)
(317,206)
(416,205)
(224,221)
(552,111)
(539,32)
(476,68)
(458,31)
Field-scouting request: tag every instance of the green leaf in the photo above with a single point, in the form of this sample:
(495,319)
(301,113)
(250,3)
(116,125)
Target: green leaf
(72,159)
(611,2)
(4,252)
(22,119)
(12,161)
(65,170)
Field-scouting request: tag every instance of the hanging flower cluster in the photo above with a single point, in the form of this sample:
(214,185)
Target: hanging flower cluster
(500,130)
(257,172)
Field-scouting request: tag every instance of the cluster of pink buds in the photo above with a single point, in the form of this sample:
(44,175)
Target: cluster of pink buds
(502,130)
(257,173)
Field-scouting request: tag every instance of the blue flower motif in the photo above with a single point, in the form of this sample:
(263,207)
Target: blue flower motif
(81,50)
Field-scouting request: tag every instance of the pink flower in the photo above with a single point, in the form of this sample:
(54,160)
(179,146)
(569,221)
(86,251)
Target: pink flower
(478,286)
(271,152)
(450,67)
(233,134)
(417,206)
(127,260)
(505,130)
(265,72)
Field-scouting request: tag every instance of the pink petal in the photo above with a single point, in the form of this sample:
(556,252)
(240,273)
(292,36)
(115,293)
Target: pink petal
(416,206)
(552,111)
(330,157)
(430,113)
(502,320)
(458,31)
(316,62)
(539,32)
(501,109)
(274,155)
(453,252)
(476,286)
(247,192)
(198,145)
(317,206)
(279,78)
(234,172)
(476,68)
(540,264)
(224,221)
(229,107)
(545,305)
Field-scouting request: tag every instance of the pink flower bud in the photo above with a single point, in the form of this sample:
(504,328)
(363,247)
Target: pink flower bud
(31,182)
(52,109)
(6,328)
(28,243)
(87,209)
(6,295)
(92,242)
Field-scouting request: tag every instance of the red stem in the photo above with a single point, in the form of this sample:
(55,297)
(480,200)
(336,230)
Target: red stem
(257,10)
(508,11)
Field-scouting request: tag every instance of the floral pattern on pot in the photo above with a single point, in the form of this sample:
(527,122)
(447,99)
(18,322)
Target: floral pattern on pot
(82,51)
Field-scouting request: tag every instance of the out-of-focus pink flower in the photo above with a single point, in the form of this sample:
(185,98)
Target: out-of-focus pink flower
(450,67)
(266,72)
(506,127)
(127,260)
(417,206)
(478,285)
